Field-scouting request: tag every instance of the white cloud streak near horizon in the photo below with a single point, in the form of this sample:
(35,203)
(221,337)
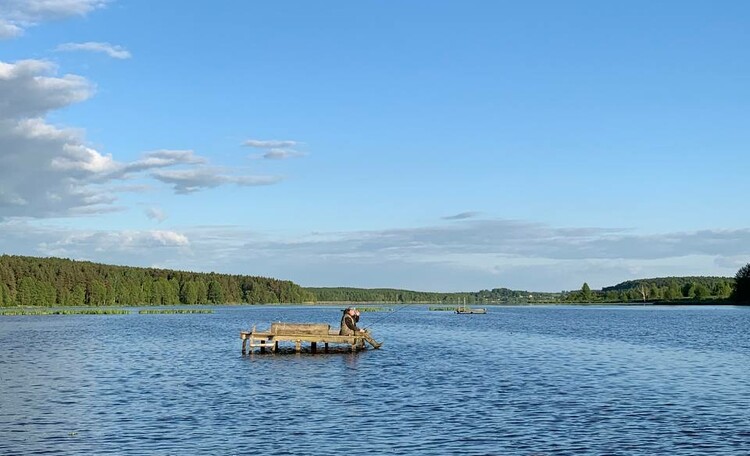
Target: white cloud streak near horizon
(464,256)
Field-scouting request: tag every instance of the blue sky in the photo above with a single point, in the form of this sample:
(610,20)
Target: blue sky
(424,145)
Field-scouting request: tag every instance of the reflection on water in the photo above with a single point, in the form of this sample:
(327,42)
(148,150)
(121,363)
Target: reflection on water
(518,380)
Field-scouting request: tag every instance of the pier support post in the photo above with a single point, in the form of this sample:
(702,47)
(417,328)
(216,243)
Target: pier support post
(325,349)
(313,347)
(297,346)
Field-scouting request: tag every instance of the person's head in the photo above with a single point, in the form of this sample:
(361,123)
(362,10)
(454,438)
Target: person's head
(352,311)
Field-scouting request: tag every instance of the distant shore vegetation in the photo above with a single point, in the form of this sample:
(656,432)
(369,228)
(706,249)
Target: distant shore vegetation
(55,282)
(667,290)
(48,282)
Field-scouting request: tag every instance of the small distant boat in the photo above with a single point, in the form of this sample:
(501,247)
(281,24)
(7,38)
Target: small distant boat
(464,309)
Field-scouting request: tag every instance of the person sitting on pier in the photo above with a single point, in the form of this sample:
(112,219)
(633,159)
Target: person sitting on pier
(349,327)
(348,324)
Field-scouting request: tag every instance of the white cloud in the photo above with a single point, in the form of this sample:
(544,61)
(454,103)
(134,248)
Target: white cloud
(269,144)
(48,171)
(282,154)
(275,149)
(162,159)
(112,50)
(154,213)
(29,88)
(192,180)
(462,216)
(17,15)
(86,244)
(168,238)
(422,259)
(45,170)
(8,30)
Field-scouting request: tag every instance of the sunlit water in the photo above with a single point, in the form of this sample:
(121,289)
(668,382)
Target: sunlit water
(518,380)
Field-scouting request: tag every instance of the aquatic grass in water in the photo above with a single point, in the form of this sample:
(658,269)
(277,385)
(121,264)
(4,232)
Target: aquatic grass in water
(443,309)
(175,311)
(45,311)
(375,309)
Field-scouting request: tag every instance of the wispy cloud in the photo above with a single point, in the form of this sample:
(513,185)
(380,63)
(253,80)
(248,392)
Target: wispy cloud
(161,159)
(467,255)
(114,51)
(9,30)
(155,213)
(462,216)
(192,180)
(269,144)
(17,15)
(275,149)
(49,171)
(282,154)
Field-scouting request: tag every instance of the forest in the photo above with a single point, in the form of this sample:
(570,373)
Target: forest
(29,281)
(661,289)
(496,295)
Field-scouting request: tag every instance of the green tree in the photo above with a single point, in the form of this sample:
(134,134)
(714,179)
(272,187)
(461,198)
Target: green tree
(96,293)
(5,297)
(672,292)
(586,292)
(741,291)
(723,290)
(189,292)
(701,291)
(215,292)
(33,292)
(688,290)
(77,296)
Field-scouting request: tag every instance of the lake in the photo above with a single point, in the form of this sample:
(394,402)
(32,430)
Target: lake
(536,381)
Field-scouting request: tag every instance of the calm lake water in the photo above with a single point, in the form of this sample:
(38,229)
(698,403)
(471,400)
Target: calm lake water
(518,380)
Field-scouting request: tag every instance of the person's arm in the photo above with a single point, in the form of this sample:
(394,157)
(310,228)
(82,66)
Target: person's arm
(350,323)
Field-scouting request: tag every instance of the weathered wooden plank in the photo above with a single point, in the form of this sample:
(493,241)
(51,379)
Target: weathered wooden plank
(280,328)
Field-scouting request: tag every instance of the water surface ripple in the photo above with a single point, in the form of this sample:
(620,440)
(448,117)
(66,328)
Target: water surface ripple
(518,380)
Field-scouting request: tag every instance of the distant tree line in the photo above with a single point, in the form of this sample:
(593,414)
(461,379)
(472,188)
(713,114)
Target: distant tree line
(496,295)
(30,281)
(657,289)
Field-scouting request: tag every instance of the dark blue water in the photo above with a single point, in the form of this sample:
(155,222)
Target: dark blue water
(518,380)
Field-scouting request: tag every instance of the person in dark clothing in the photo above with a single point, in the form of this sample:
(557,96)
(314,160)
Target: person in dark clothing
(349,327)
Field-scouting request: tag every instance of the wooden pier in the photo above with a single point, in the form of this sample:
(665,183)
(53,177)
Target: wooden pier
(469,310)
(312,333)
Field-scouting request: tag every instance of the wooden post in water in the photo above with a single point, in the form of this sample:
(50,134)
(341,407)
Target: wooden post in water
(297,346)
(325,350)
(313,347)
